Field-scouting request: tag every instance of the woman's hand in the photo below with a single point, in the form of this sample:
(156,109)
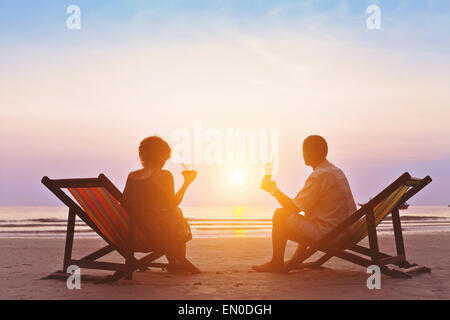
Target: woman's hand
(268,185)
(189,176)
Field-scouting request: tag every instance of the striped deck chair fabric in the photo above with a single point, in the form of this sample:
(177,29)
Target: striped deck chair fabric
(358,230)
(108,215)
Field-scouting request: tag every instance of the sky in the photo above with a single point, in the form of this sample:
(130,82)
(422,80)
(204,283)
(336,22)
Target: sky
(76,103)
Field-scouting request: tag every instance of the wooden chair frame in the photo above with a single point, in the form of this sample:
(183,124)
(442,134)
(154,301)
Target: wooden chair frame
(89,261)
(349,250)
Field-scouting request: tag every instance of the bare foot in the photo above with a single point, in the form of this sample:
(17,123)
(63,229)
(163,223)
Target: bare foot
(284,269)
(269,267)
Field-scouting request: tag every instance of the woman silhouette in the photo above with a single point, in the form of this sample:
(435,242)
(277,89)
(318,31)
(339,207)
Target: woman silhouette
(149,197)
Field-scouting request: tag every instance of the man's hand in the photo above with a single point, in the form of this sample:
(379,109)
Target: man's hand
(271,187)
(189,176)
(268,185)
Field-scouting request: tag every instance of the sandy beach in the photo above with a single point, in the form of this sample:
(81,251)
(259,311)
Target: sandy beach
(226,273)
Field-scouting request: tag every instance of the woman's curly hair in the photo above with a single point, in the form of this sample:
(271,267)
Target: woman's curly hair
(153,151)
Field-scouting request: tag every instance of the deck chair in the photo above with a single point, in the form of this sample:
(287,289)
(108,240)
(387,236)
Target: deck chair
(343,241)
(96,201)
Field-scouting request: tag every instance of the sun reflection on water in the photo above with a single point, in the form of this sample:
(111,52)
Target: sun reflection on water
(239,233)
(238,211)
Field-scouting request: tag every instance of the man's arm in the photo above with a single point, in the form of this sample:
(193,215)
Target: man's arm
(286,202)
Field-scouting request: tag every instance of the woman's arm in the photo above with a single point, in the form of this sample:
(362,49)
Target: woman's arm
(164,180)
(180,193)
(189,177)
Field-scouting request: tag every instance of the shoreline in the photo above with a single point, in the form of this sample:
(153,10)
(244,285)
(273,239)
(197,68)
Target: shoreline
(206,222)
(226,265)
(79,235)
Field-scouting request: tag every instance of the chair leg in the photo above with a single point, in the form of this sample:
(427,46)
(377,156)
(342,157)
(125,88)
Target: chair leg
(393,273)
(99,253)
(130,265)
(148,259)
(128,275)
(322,260)
(365,263)
(399,243)
(112,278)
(416,269)
(373,237)
(69,239)
(298,261)
(314,264)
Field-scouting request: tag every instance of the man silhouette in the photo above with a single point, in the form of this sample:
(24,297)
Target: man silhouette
(326,200)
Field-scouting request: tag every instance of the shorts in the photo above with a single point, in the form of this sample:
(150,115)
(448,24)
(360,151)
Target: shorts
(303,227)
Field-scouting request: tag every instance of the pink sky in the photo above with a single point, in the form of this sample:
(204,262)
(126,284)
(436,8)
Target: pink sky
(79,111)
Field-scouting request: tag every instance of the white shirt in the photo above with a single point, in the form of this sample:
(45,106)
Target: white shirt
(326,198)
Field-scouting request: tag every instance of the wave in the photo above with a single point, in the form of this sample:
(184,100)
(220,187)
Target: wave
(406,218)
(36,225)
(42,220)
(201,227)
(226,219)
(42,231)
(59,220)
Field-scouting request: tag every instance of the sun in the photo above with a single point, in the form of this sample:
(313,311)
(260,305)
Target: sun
(237,177)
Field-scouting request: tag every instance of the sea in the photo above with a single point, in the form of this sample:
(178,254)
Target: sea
(206,222)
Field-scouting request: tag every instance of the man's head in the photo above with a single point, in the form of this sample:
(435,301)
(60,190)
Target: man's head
(315,150)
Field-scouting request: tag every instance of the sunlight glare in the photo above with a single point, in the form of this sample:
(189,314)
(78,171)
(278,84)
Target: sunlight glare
(237,177)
